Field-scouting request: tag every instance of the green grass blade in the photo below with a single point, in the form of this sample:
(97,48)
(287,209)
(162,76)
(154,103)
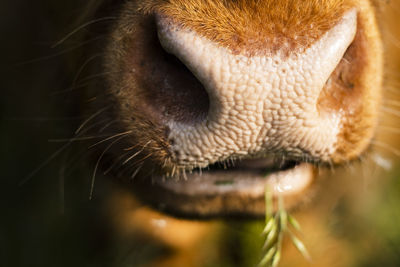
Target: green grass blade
(300,246)
(268,257)
(293,222)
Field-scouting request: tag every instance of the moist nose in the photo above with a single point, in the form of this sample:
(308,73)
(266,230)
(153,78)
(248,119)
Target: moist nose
(261,103)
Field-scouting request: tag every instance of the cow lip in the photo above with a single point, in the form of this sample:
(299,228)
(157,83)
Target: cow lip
(220,192)
(248,177)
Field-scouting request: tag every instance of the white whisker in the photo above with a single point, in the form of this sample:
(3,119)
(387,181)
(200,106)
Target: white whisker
(98,163)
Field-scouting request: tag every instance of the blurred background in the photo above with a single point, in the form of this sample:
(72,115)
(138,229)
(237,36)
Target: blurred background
(47,219)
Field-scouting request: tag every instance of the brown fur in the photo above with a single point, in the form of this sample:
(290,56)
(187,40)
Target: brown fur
(251,26)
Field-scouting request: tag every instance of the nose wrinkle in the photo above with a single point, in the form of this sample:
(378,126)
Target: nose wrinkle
(258,104)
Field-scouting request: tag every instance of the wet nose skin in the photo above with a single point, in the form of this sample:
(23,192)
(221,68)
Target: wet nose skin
(259,104)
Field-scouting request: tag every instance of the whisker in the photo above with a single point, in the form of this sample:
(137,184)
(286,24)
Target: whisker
(115,163)
(387,147)
(58,53)
(76,139)
(92,126)
(84,82)
(390,129)
(44,164)
(111,137)
(43,119)
(392,102)
(131,157)
(75,160)
(142,159)
(84,66)
(98,163)
(51,157)
(70,89)
(392,89)
(89,119)
(173,171)
(131,147)
(136,171)
(107,125)
(184,175)
(393,39)
(137,153)
(80,28)
(391,111)
(90,77)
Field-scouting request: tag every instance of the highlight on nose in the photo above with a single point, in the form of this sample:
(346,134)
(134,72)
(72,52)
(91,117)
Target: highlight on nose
(259,103)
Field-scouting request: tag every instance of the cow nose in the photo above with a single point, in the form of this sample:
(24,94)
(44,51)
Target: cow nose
(259,103)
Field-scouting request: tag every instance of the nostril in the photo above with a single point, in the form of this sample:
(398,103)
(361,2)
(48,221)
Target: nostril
(168,89)
(182,98)
(342,92)
(174,61)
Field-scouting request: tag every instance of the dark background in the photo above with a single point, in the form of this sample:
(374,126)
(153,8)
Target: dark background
(46,217)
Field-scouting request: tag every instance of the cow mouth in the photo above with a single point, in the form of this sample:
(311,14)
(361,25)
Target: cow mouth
(231,189)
